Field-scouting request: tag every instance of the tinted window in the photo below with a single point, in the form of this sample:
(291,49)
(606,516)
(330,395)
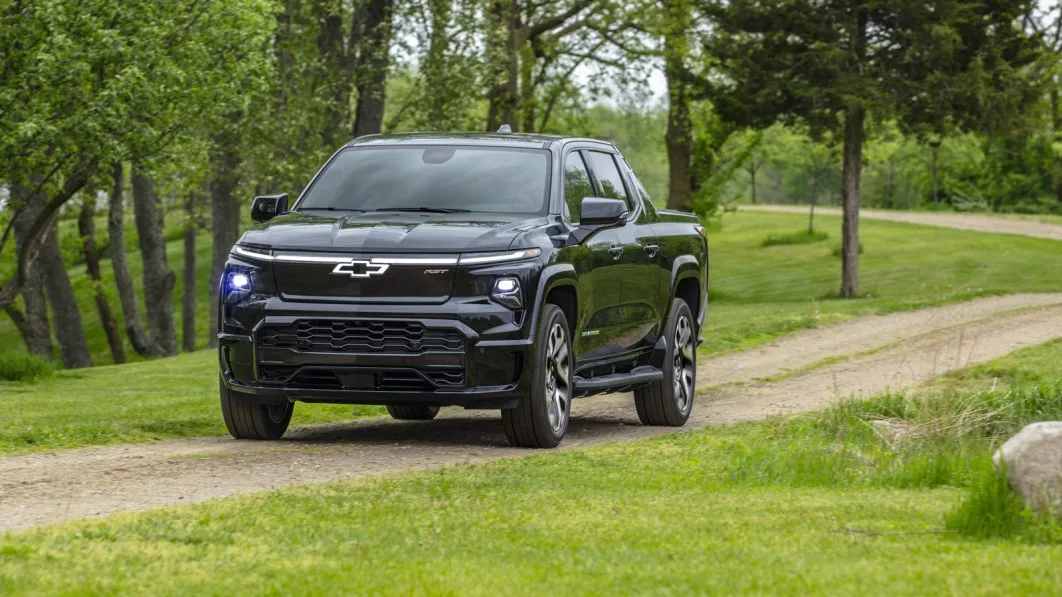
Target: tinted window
(639,190)
(609,177)
(576,184)
(460,178)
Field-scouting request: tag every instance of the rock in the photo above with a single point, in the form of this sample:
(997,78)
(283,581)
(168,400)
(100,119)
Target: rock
(1033,460)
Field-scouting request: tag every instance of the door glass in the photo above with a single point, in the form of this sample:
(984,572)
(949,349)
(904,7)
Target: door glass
(609,177)
(640,192)
(576,185)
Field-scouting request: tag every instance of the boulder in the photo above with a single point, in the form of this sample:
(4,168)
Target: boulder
(1033,460)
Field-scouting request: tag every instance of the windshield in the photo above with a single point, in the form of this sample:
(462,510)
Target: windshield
(434,178)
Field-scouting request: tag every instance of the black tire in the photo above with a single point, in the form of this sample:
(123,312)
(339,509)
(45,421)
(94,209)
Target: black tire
(249,420)
(669,402)
(541,418)
(412,412)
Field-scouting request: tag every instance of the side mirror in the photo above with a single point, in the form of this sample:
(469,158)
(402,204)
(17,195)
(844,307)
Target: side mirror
(267,207)
(597,212)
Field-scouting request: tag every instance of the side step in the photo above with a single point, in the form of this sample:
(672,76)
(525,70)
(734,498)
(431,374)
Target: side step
(617,382)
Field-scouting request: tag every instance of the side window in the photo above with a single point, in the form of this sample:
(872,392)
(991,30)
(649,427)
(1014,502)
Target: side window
(639,190)
(576,184)
(609,177)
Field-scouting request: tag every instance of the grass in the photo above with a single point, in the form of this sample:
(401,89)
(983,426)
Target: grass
(21,366)
(757,294)
(144,401)
(801,237)
(814,504)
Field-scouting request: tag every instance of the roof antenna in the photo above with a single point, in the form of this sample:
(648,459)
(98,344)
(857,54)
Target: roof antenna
(505,129)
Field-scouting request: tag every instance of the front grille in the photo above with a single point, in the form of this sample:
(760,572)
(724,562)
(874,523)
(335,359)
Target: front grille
(382,336)
(393,380)
(320,379)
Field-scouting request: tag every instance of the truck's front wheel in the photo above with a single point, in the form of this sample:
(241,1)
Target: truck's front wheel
(250,420)
(541,418)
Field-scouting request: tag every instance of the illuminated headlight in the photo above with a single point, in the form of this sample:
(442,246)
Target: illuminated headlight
(507,292)
(239,281)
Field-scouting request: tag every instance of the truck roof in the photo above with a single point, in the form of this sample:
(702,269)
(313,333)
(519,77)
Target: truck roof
(485,139)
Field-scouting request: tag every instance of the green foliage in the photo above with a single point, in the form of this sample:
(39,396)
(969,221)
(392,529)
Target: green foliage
(20,366)
(802,237)
(992,510)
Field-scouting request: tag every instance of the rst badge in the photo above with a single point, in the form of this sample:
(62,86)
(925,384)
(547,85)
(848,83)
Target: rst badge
(356,268)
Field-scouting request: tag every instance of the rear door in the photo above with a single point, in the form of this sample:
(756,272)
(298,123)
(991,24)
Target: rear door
(637,255)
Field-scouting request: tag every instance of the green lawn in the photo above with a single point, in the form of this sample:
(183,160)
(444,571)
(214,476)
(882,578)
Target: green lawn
(144,401)
(758,293)
(726,510)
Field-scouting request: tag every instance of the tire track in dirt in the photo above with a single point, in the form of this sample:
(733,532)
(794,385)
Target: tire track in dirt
(44,488)
(959,221)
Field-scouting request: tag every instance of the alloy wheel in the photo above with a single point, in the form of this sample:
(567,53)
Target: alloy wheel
(558,378)
(683,369)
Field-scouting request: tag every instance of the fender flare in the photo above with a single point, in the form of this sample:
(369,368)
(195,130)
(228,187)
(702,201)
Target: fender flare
(685,266)
(553,276)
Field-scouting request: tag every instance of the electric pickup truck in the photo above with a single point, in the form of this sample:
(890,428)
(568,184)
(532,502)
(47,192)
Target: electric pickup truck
(487,271)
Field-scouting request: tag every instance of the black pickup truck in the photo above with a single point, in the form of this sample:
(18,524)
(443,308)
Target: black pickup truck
(490,271)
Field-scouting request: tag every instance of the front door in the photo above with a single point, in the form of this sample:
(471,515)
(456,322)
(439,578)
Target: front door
(598,259)
(636,252)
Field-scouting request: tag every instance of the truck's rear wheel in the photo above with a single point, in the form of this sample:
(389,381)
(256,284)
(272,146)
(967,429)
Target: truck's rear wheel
(541,418)
(250,420)
(669,402)
(412,412)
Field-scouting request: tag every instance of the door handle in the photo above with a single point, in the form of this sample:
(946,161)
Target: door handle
(651,249)
(615,251)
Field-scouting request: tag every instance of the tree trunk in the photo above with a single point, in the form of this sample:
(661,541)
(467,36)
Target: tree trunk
(134,329)
(73,348)
(814,197)
(372,68)
(505,58)
(333,58)
(38,335)
(679,137)
(158,279)
(850,186)
(86,226)
(753,167)
(188,302)
(21,324)
(224,214)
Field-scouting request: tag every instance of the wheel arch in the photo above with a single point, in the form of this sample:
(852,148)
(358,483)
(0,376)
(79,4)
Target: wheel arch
(558,282)
(686,284)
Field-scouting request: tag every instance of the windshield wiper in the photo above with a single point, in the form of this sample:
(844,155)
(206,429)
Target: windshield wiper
(433,210)
(329,208)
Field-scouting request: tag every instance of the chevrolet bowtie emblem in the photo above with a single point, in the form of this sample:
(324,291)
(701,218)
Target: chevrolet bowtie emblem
(359,269)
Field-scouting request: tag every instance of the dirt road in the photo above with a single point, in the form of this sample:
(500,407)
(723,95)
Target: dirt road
(887,353)
(978,222)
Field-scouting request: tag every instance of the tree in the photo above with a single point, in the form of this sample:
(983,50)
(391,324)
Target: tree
(679,135)
(931,66)
(142,73)
(86,226)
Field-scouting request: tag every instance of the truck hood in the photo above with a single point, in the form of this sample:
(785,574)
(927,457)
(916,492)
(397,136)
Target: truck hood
(391,232)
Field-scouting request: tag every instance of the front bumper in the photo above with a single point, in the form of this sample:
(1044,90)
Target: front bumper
(462,353)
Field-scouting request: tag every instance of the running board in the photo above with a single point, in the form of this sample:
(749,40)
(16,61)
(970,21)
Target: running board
(617,382)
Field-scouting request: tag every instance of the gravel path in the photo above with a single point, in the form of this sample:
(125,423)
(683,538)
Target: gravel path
(978,222)
(888,352)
